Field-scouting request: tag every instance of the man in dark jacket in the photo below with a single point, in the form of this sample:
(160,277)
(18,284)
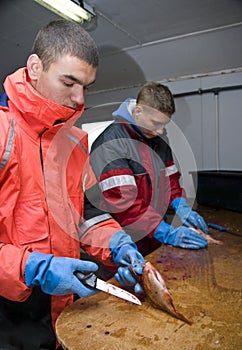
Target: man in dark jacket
(137,175)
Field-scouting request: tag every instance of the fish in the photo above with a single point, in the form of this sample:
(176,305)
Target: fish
(209,239)
(157,293)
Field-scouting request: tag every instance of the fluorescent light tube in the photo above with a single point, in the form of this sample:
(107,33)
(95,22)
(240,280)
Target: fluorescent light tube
(67,9)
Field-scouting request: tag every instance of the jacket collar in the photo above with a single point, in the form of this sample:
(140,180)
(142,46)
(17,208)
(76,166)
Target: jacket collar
(37,111)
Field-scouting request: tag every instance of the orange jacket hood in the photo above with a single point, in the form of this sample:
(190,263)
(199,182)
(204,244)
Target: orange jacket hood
(37,111)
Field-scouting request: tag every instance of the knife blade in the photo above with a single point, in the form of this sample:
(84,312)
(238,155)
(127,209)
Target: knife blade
(90,280)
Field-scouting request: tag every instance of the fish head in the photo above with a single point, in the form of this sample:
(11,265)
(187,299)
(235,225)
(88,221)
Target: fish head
(152,278)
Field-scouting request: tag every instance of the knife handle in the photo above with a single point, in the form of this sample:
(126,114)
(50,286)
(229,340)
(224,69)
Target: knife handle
(89,279)
(217,227)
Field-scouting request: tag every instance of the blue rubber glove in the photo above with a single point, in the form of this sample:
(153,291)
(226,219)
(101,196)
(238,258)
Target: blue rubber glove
(125,253)
(183,237)
(55,276)
(188,216)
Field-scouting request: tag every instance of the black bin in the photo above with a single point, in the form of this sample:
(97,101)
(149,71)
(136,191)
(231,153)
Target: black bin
(219,188)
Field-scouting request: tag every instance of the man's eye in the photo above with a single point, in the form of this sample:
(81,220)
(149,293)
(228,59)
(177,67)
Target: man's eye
(68,84)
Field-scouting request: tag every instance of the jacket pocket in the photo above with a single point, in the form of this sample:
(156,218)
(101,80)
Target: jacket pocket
(31,221)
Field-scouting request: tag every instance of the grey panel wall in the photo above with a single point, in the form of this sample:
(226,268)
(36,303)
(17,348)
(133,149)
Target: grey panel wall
(212,122)
(201,52)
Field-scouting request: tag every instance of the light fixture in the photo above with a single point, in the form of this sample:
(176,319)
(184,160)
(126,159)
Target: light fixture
(73,10)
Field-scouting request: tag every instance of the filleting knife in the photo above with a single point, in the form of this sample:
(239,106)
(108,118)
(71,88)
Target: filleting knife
(223,229)
(90,280)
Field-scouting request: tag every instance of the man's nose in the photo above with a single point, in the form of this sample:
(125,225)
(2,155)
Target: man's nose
(160,130)
(77,95)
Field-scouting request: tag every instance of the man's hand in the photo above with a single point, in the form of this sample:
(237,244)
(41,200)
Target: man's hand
(188,216)
(127,257)
(183,237)
(55,276)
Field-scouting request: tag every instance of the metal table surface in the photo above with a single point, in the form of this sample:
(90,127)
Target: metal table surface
(206,286)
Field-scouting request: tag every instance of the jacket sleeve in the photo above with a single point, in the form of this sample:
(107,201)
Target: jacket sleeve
(176,191)
(12,259)
(12,265)
(172,173)
(97,229)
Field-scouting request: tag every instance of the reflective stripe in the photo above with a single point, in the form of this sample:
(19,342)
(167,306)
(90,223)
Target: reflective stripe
(91,222)
(170,170)
(114,181)
(7,152)
(77,142)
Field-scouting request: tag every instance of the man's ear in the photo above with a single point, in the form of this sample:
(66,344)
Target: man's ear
(34,66)
(137,110)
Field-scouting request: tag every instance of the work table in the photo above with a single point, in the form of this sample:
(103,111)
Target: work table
(205,285)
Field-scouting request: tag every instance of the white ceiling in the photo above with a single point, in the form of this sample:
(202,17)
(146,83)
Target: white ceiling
(121,24)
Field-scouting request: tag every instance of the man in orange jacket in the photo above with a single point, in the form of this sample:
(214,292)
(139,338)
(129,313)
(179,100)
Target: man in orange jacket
(45,179)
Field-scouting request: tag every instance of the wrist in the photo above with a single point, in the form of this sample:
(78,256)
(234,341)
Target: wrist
(36,265)
(120,252)
(178,203)
(163,231)
(119,239)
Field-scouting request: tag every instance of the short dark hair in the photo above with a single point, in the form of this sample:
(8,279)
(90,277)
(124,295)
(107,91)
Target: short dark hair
(157,96)
(63,37)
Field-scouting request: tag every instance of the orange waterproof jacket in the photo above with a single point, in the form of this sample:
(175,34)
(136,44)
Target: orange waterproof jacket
(42,161)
